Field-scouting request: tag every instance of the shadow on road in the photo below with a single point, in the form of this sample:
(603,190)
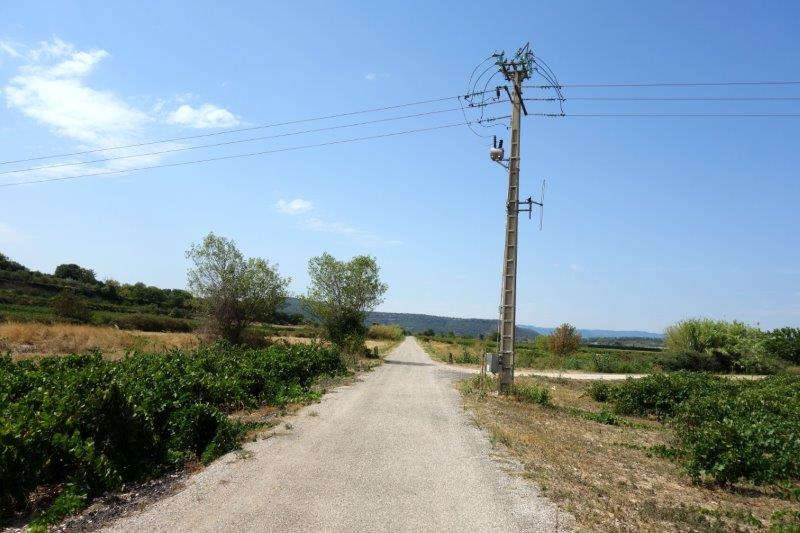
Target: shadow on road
(408,363)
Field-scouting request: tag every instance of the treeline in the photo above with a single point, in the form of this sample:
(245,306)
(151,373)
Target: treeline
(22,286)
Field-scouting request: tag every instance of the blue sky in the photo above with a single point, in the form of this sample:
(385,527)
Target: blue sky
(647,221)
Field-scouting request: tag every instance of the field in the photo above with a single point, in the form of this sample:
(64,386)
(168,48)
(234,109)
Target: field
(618,472)
(530,354)
(30,340)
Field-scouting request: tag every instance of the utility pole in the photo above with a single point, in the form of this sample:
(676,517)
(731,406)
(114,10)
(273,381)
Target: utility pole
(516,71)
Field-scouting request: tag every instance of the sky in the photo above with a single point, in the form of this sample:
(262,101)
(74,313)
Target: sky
(647,221)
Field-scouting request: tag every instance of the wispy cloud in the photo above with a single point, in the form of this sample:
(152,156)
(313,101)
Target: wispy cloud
(52,87)
(293,207)
(205,116)
(339,228)
(374,76)
(55,94)
(574,267)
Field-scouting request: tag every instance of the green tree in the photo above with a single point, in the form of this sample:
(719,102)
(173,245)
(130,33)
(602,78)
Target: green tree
(564,340)
(784,343)
(75,272)
(341,294)
(234,291)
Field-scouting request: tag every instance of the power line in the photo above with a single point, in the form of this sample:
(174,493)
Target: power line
(236,156)
(666,98)
(236,130)
(249,139)
(558,115)
(663,84)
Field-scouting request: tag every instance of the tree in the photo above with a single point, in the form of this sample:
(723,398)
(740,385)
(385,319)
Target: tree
(234,292)
(784,343)
(75,272)
(341,294)
(564,340)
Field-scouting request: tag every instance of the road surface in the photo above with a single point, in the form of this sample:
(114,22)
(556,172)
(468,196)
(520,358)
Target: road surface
(395,451)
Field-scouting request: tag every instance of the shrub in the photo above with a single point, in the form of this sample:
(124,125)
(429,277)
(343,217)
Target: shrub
(725,430)
(600,391)
(695,361)
(71,306)
(143,322)
(564,340)
(531,393)
(660,394)
(749,432)
(784,343)
(93,424)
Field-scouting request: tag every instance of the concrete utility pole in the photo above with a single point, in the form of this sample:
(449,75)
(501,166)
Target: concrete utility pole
(515,70)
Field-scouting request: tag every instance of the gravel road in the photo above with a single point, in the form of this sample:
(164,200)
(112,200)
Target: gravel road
(395,451)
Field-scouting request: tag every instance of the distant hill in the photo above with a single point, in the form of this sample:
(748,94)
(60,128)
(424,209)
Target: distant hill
(417,323)
(601,333)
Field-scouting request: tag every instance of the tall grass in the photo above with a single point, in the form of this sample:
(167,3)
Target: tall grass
(21,338)
(389,332)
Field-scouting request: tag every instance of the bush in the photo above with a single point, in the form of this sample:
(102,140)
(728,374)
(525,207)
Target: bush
(725,430)
(531,393)
(659,395)
(92,424)
(784,343)
(600,391)
(749,432)
(71,306)
(143,322)
(564,340)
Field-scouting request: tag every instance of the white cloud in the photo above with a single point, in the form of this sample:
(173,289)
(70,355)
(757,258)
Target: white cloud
(576,268)
(293,207)
(338,228)
(56,96)
(51,86)
(374,76)
(10,49)
(205,116)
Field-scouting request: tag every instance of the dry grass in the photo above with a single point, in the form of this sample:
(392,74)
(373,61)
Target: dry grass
(29,339)
(608,476)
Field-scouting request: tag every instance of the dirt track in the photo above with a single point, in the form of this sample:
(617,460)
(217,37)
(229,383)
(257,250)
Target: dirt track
(395,451)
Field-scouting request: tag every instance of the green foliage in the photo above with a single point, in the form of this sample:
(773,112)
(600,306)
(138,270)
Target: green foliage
(785,521)
(564,340)
(784,343)
(718,346)
(341,293)
(143,322)
(600,391)
(75,272)
(660,395)
(94,424)
(235,292)
(726,430)
(9,265)
(71,306)
(27,295)
(752,431)
(603,417)
(531,393)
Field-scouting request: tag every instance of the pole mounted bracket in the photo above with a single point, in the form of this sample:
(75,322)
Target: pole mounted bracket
(526,206)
